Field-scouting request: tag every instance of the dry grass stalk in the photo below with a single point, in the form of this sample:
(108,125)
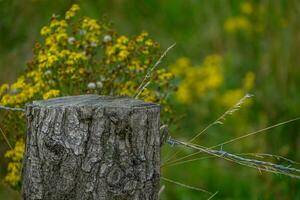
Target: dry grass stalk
(258,164)
(220,120)
(147,79)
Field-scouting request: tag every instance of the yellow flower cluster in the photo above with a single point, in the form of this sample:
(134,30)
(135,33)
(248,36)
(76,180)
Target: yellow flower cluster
(51,94)
(248,81)
(60,59)
(72,12)
(20,92)
(131,58)
(164,76)
(238,23)
(13,176)
(90,31)
(198,80)
(128,88)
(149,96)
(123,48)
(246,8)
(247,20)
(3,88)
(119,51)
(82,55)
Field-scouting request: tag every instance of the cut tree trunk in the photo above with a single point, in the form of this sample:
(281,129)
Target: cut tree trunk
(92,147)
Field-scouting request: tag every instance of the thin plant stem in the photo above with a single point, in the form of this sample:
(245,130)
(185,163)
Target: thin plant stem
(146,81)
(186,161)
(219,120)
(181,158)
(212,196)
(260,155)
(258,164)
(238,138)
(5,138)
(255,132)
(185,185)
(162,188)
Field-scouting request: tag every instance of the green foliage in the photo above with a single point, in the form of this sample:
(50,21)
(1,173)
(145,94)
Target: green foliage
(260,38)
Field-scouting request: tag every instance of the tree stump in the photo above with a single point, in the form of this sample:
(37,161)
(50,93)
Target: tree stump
(92,147)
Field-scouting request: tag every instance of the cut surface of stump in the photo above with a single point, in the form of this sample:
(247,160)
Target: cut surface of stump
(92,147)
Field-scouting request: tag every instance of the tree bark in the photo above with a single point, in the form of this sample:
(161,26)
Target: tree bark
(92,147)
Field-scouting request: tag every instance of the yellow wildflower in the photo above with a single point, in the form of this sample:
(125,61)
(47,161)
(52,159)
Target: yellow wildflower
(110,50)
(90,24)
(163,75)
(13,177)
(51,93)
(135,65)
(70,69)
(82,71)
(145,50)
(181,66)
(149,42)
(123,55)
(249,81)
(53,49)
(246,8)
(16,154)
(58,24)
(64,53)
(20,84)
(49,41)
(41,57)
(122,39)
(72,12)
(75,57)
(4,88)
(198,80)
(238,23)
(141,37)
(148,96)
(184,94)
(45,31)
(128,88)
(213,60)
(62,37)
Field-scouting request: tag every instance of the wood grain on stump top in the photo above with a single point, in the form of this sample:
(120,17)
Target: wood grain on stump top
(93,101)
(92,147)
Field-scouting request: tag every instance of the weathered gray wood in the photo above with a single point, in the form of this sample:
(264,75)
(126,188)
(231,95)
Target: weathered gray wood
(92,147)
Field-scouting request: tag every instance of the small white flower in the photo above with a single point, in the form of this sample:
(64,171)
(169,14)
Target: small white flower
(55,16)
(107,38)
(82,31)
(99,84)
(93,44)
(51,82)
(91,85)
(48,72)
(102,78)
(71,40)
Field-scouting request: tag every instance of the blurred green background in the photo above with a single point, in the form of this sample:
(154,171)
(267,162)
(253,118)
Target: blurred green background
(261,37)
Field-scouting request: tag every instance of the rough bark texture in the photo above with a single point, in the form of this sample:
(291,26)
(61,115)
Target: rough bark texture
(92,147)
